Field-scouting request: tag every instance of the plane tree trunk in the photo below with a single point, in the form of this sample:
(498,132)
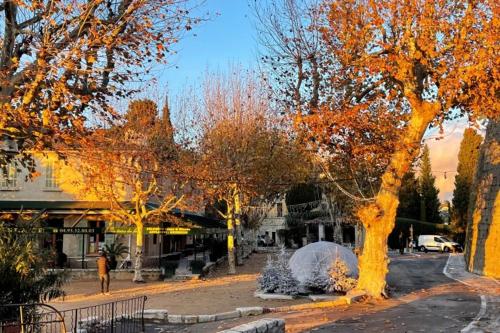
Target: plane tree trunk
(231,258)
(138,253)
(237,228)
(379,216)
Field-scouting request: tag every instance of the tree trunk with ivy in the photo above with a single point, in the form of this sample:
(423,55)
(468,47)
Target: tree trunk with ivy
(237,227)
(379,217)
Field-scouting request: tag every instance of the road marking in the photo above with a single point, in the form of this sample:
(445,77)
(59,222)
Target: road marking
(472,327)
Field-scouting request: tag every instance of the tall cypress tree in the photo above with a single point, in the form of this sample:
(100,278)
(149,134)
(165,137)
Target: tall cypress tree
(409,198)
(428,192)
(467,161)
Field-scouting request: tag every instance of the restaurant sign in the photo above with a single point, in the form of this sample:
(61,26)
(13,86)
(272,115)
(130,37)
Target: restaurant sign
(127,230)
(119,230)
(56,230)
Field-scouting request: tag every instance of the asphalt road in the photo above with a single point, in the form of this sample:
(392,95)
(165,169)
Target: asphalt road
(431,302)
(422,299)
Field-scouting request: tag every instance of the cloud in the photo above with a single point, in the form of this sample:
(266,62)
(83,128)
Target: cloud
(444,156)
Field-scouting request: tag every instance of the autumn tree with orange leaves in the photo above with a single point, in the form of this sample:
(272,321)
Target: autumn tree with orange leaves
(63,62)
(402,67)
(297,61)
(138,169)
(245,153)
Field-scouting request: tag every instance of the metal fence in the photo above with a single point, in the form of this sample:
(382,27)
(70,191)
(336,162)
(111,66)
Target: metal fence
(30,318)
(125,316)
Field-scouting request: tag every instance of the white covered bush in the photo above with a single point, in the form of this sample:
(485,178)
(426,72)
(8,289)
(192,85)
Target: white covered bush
(317,282)
(277,276)
(336,280)
(269,279)
(324,267)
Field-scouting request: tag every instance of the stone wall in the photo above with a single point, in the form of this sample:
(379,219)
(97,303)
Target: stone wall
(118,274)
(482,246)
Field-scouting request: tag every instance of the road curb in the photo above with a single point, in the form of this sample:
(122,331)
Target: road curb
(265,325)
(205,318)
(239,312)
(350,298)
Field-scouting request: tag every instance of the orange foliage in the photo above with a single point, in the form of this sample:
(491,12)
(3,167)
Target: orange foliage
(400,67)
(138,169)
(244,152)
(63,62)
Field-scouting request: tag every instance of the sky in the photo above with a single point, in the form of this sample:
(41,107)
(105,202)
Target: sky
(229,38)
(444,156)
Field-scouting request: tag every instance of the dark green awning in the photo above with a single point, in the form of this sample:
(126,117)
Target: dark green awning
(99,207)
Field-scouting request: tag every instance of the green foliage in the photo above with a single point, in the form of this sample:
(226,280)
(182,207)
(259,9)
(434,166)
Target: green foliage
(409,198)
(116,249)
(23,276)
(419,228)
(467,162)
(429,206)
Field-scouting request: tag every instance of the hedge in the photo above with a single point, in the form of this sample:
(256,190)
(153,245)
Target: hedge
(419,228)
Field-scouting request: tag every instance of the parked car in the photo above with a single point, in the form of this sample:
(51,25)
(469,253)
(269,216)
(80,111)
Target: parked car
(437,243)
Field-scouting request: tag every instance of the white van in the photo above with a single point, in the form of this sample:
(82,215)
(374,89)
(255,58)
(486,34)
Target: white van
(437,243)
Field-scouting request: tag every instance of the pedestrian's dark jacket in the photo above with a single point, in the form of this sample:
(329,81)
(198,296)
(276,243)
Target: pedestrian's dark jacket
(102,265)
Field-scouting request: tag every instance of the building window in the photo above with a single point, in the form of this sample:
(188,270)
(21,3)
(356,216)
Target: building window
(9,177)
(96,239)
(279,209)
(51,176)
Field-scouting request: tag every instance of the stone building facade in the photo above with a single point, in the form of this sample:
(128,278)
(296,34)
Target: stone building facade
(77,224)
(482,248)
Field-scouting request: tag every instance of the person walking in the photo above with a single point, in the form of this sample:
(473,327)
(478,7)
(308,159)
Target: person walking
(402,244)
(103,270)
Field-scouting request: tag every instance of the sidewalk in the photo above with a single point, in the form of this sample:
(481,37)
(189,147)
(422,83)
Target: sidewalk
(219,292)
(488,318)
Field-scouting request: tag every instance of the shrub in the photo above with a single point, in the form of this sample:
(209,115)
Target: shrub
(23,276)
(114,251)
(277,276)
(269,279)
(318,281)
(339,281)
